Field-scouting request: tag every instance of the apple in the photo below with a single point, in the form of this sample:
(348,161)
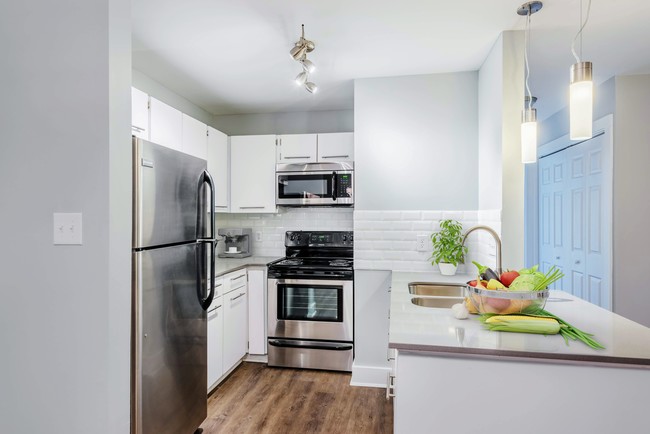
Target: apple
(507,277)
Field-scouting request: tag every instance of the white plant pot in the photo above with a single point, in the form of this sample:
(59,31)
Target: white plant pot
(447,269)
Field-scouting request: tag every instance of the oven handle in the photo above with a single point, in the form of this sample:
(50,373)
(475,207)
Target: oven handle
(310,345)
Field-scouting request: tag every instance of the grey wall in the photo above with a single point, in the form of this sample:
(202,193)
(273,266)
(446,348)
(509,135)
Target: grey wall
(64,134)
(160,92)
(328,121)
(631,199)
(416,142)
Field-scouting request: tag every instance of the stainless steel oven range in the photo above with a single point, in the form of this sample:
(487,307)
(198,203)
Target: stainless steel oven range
(310,302)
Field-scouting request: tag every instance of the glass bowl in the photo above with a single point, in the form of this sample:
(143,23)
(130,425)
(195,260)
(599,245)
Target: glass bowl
(505,302)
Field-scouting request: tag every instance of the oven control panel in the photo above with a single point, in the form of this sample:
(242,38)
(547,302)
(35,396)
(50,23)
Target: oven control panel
(319,239)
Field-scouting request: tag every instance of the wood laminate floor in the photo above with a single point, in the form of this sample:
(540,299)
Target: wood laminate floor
(259,399)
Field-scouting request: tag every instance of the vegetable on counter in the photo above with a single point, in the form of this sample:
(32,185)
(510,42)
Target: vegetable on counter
(485,272)
(530,279)
(519,323)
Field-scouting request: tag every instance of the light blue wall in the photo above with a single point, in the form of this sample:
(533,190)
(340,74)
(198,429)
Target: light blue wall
(416,142)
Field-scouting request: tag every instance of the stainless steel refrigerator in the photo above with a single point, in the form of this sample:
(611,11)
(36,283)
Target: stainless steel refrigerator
(173,247)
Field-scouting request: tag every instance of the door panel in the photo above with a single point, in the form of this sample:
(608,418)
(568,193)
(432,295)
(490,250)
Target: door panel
(165,195)
(575,219)
(170,341)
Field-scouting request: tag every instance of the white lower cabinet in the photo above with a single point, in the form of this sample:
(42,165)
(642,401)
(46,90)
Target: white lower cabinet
(257,296)
(215,342)
(235,316)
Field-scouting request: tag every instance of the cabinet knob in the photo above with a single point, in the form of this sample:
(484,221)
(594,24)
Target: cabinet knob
(577,261)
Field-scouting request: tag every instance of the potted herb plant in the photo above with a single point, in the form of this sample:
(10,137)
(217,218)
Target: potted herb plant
(448,249)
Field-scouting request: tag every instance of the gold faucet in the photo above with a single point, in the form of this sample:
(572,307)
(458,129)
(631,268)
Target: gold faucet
(497,241)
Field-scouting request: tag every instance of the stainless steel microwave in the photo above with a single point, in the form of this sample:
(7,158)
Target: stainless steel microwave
(314,184)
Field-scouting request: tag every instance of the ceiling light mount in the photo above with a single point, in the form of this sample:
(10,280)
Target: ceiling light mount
(299,54)
(529,8)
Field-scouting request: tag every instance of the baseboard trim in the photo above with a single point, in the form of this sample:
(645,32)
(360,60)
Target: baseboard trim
(369,376)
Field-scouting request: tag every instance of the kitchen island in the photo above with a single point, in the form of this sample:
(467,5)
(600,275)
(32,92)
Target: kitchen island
(454,376)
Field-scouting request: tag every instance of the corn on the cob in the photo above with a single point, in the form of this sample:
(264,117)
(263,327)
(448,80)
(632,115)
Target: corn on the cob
(523,324)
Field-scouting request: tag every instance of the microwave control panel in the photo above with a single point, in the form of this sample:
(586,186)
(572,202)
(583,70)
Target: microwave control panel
(344,185)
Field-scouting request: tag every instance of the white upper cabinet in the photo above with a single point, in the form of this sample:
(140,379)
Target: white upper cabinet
(252,174)
(334,147)
(139,113)
(166,125)
(195,137)
(219,168)
(297,148)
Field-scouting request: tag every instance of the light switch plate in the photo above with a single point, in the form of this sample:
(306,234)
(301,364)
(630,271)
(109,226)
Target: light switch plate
(67,228)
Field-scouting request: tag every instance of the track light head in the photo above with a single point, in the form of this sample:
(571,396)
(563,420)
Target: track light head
(311,87)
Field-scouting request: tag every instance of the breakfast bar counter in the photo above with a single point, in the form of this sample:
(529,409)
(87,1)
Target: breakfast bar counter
(418,328)
(452,375)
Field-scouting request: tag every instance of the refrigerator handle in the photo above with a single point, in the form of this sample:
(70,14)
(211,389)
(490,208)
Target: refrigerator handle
(207,179)
(205,302)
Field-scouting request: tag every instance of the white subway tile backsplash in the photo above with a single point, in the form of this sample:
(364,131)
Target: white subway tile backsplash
(274,226)
(396,241)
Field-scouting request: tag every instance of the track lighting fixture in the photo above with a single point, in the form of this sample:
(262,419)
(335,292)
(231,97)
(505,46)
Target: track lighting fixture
(299,54)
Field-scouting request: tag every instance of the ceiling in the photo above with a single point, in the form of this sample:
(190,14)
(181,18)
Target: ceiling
(232,57)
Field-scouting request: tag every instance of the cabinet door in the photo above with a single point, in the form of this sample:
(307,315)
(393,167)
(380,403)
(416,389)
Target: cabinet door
(139,113)
(252,176)
(218,166)
(166,125)
(195,137)
(215,341)
(235,336)
(297,148)
(257,311)
(335,147)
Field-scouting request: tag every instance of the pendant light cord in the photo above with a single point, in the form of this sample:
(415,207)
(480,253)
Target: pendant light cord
(526,43)
(579,34)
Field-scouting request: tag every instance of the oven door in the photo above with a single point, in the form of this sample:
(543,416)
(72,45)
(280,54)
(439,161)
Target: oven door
(310,309)
(324,188)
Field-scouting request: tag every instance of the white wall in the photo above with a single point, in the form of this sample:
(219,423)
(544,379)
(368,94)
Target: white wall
(416,142)
(490,101)
(501,173)
(64,129)
(326,121)
(150,86)
(631,199)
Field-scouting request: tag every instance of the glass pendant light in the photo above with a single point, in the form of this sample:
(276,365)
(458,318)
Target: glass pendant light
(528,114)
(581,90)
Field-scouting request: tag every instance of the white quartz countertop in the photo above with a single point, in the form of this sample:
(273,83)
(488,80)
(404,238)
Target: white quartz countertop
(417,328)
(228,265)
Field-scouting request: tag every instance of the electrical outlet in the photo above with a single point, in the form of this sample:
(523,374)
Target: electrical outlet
(258,235)
(422,245)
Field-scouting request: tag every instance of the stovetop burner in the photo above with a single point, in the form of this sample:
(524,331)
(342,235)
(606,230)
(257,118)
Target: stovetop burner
(292,262)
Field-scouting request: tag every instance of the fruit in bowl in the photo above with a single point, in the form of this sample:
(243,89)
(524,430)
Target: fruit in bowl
(511,291)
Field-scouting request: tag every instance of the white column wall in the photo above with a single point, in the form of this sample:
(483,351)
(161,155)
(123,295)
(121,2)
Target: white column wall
(65,147)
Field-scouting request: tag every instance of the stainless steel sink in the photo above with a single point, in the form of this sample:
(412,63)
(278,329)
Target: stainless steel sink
(442,302)
(437,289)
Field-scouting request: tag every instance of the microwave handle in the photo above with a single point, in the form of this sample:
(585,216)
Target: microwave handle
(334,182)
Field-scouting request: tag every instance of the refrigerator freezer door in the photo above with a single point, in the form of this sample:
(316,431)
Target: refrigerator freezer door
(169,340)
(166,188)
